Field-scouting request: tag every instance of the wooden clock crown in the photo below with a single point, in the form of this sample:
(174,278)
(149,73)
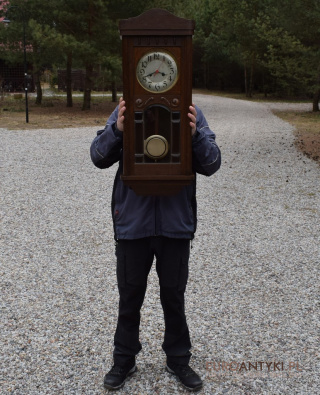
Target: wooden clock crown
(157,22)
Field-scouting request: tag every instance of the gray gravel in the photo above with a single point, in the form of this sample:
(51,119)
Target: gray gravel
(253,293)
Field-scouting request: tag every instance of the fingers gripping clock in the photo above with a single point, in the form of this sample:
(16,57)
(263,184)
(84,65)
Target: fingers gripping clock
(157,71)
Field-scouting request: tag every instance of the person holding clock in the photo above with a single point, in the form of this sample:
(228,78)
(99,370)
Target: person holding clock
(148,227)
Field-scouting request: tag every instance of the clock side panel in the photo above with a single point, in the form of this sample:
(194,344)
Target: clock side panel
(128,70)
(186,101)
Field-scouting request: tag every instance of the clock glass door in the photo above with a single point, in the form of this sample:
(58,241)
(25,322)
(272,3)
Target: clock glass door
(157,135)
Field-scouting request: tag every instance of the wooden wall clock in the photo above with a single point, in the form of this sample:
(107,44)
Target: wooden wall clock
(157,89)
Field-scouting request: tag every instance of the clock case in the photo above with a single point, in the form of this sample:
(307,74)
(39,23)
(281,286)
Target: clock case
(157,114)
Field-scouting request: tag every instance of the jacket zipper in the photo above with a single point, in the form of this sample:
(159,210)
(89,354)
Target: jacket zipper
(155,214)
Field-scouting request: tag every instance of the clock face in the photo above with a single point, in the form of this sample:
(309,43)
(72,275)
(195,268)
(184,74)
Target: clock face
(157,71)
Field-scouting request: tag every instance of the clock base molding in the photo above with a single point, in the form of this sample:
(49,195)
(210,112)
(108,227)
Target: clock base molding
(157,186)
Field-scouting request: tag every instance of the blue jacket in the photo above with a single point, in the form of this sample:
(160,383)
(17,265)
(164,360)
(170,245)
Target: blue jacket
(143,216)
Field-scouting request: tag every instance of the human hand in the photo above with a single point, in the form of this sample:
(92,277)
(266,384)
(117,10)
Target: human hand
(193,118)
(120,119)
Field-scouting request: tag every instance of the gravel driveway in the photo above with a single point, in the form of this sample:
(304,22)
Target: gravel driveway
(253,293)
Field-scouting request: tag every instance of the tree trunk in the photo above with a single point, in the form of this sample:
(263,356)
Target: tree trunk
(316,98)
(87,88)
(245,81)
(205,73)
(114,91)
(69,80)
(37,83)
(251,80)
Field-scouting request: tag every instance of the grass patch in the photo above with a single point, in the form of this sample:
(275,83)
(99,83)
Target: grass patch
(303,121)
(53,112)
(307,131)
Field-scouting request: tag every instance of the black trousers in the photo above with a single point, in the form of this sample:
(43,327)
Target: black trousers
(134,261)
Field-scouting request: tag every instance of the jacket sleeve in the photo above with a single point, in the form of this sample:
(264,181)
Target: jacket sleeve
(206,155)
(106,148)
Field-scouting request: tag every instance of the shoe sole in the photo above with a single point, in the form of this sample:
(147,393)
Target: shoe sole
(188,388)
(130,373)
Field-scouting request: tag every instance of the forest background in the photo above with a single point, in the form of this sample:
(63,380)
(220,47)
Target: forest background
(269,48)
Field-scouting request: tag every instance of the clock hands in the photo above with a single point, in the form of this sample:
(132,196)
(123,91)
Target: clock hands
(157,71)
(154,73)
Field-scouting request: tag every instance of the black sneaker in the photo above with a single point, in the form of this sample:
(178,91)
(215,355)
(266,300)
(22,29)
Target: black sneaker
(188,377)
(117,376)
